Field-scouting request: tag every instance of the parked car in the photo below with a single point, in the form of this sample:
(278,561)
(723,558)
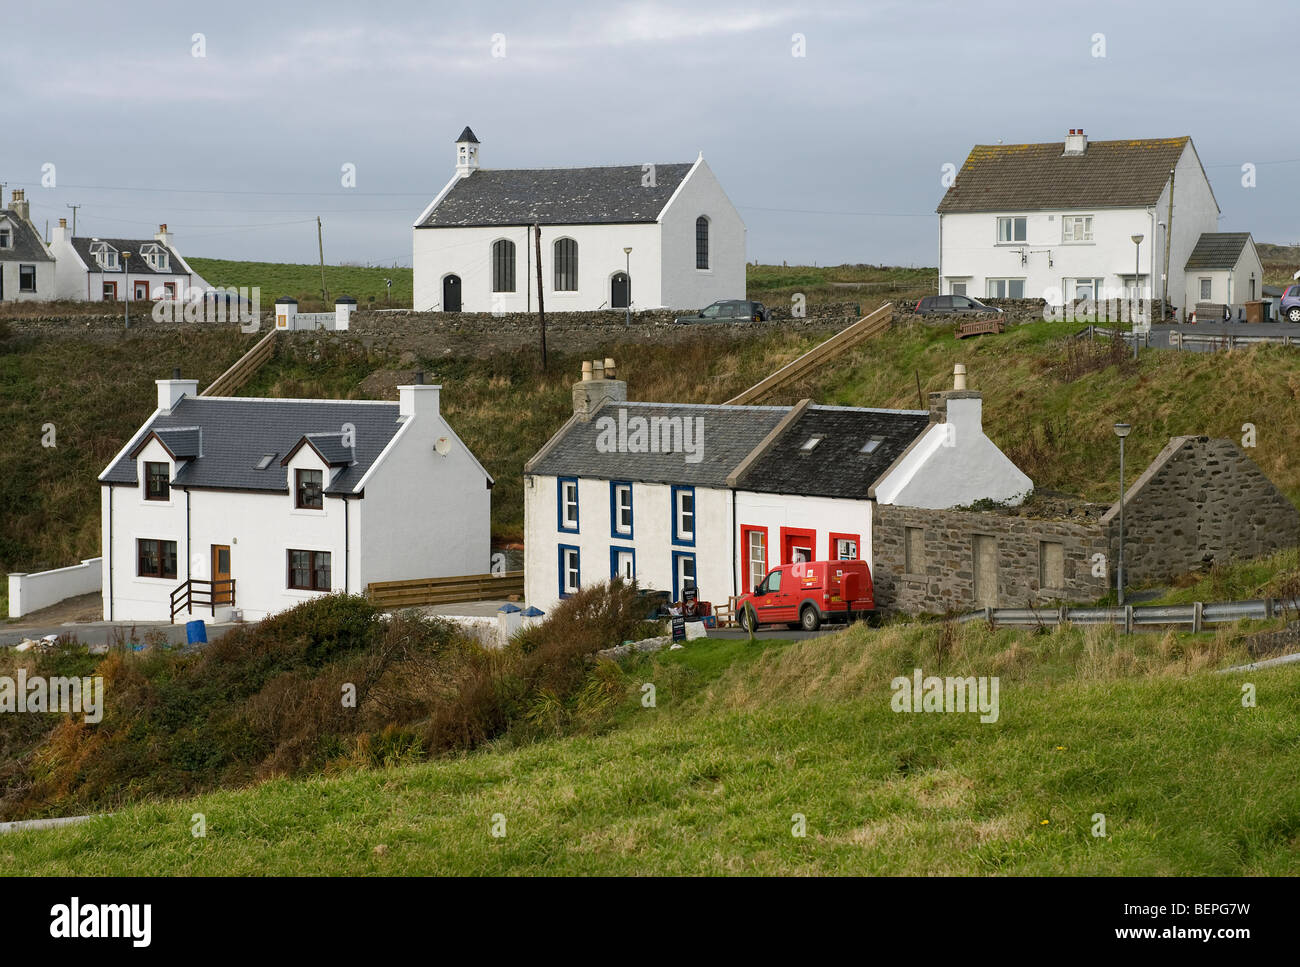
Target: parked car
(731,310)
(805,595)
(950,304)
(1289,304)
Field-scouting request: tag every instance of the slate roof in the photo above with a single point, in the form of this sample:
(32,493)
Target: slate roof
(729,434)
(1217,250)
(238,432)
(137,265)
(182,442)
(556,196)
(1034,177)
(836,466)
(328,445)
(467,135)
(25,241)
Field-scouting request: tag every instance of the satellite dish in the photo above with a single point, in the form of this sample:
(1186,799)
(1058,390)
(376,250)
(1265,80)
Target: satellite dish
(442,447)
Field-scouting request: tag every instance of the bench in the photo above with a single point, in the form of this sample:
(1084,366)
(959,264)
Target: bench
(976,327)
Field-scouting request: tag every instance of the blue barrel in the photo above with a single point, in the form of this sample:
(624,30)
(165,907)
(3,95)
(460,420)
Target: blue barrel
(196,632)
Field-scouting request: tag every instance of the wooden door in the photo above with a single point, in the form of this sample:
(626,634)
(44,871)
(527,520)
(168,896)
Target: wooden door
(620,292)
(451,294)
(221,572)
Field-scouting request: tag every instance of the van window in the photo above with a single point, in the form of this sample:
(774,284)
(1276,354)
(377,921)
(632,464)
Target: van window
(773,582)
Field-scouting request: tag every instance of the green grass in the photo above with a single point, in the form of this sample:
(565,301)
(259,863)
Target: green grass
(303,282)
(743,737)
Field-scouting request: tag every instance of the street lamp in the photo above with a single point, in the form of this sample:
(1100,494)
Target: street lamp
(627,274)
(1137,267)
(1121,430)
(126,288)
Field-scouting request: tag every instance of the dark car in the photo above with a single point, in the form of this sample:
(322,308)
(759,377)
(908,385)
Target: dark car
(1289,305)
(935,305)
(731,310)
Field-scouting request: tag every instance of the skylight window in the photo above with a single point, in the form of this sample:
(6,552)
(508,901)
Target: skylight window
(871,444)
(811,443)
(265,461)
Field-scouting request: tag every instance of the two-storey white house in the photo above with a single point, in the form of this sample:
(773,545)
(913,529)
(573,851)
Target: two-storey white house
(26,266)
(221,505)
(652,235)
(116,269)
(1059,220)
(714,495)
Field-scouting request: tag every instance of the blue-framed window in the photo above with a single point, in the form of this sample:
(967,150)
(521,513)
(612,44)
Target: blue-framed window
(622,560)
(566,504)
(620,508)
(683,572)
(570,562)
(685,519)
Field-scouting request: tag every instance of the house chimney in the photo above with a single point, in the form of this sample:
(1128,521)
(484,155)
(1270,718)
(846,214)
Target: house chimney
(163,235)
(1076,143)
(21,207)
(171,391)
(61,234)
(419,399)
(961,408)
(596,387)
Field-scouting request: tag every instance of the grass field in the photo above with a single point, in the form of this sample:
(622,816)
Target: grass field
(744,739)
(303,282)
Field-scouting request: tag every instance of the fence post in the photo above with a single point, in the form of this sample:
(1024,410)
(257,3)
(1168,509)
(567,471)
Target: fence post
(988,616)
(1269,606)
(1128,619)
(1198,615)
(1062,615)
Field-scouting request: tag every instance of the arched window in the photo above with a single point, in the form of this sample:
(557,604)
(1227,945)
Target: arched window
(701,243)
(503,265)
(566,265)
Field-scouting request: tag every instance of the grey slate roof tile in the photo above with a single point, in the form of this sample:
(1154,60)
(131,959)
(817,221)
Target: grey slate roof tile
(25,243)
(556,196)
(1217,250)
(137,264)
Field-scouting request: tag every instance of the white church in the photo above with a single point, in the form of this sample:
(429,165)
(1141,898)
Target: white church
(646,235)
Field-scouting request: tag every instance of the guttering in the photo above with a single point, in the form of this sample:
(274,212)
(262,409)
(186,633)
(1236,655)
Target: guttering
(735,546)
(110,552)
(347,547)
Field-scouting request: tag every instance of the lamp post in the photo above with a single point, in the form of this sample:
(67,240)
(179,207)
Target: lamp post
(126,288)
(1137,267)
(1121,430)
(627,274)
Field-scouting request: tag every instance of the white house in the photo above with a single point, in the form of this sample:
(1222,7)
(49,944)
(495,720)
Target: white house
(258,504)
(1224,268)
(715,495)
(657,235)
(26,266)
(1058,220)
(98,269)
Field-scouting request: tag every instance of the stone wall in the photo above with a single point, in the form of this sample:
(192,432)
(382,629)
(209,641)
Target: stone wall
(1201,501)
(946,580)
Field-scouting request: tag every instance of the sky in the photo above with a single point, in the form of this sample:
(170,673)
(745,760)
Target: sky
(828,124)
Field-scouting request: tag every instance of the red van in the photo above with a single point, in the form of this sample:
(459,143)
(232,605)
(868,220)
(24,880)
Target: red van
(807,593)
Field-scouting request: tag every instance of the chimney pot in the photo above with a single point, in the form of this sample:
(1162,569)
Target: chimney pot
(609,368)
(63,223)
(176,373)
(959,376)
(419,377)
(586,370)
(597,369)
(163,228)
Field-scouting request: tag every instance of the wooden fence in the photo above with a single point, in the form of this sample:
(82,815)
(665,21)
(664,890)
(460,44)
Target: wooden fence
(243,369)
(453,590)
(872,324)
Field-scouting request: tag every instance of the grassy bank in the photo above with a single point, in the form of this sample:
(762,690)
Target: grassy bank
(303,282)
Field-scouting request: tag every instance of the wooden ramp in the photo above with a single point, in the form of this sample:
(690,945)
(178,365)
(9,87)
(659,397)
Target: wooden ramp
(868,326)
(243,369)
(470,587)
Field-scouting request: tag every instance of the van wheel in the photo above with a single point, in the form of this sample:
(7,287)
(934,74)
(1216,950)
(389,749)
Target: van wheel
(809,619)
(748,620)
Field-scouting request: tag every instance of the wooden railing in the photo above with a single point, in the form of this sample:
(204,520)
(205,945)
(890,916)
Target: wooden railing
(205,594)
(244,368)
(470,587)
(872,324)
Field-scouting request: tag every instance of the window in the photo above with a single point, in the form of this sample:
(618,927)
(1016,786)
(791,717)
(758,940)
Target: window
(755,555)
(566,265)
(157,481)
(309,570)
(810,444)
(1205,290)
(570,570)
(105,255)
(6,238)
(1084,290)
(307,488)
(110,291)
(1012,229)
(844,547)
(872,444)
(773,582)
(620,509)
(1006,288)
(701,243)
(683,515)
(683,573)
(1076,228)
(169,290)
(914,551)
(1051,565)
(622,563)
(566,497)
(157,257)
(26,278)
(957,288)
(503,265)
(155,559)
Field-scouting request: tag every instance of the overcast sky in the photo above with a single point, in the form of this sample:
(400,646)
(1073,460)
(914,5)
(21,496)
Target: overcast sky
(832,157)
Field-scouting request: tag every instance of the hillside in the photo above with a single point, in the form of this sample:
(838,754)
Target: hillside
(303,282)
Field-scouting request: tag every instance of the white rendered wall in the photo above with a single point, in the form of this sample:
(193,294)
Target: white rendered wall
(685,286)
(825,515)
(31,592)
(45,281)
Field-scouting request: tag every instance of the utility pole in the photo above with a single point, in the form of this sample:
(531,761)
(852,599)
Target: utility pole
(74,218)
(541,309)
(1169,234)
(320,241)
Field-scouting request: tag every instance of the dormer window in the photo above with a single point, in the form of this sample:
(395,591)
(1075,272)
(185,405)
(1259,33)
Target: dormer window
(157,257)
(105,256)
(157,481)
(6,237)
(307,489)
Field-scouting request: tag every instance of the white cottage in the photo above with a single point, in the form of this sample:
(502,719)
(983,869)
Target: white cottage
(1224,269)
(223,505)
(115,269)
(1059,220)
(652,236)
(26,266)
(714,495)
